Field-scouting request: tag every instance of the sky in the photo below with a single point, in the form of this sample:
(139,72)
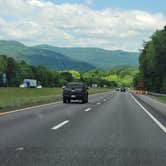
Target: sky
(107,24)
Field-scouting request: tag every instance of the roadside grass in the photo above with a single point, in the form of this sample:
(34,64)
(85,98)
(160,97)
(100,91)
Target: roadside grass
(98,90)
(13,97)
(162,98)
(17,97)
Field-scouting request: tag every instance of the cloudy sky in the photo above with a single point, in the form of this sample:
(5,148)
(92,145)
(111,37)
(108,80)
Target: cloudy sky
(109,24)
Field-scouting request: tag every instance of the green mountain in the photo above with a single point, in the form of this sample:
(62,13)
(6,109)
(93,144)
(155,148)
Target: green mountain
(39,56)
(66,58)
(100,58)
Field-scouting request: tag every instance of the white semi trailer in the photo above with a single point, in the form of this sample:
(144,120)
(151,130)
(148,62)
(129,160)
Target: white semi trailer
(29,83)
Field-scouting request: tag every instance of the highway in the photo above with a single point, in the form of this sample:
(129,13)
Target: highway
(113,129)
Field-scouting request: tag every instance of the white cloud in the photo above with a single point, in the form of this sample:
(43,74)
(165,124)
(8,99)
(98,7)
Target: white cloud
(41,21)
(36,3)
(89,2)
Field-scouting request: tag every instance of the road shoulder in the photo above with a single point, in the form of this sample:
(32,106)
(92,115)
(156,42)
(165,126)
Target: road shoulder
(158,109)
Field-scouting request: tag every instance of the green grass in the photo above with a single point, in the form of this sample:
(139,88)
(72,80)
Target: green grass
(162,98)
(13,97)
(98,90)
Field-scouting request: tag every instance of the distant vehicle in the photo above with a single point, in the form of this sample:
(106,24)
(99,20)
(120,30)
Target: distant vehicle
(75,91)
(39,86)
(29,83)
(23,86)
(123,89)
(117,89)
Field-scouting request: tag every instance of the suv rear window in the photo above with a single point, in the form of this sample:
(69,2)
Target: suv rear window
(74,85)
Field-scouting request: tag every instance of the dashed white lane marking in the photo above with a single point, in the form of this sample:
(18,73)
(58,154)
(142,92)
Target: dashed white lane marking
(20,149)
(88,109)
(104,99)
(60,125)
(98,103)
(160,125)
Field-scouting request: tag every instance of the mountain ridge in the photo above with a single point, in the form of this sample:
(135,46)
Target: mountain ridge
(67,58)
(36,56)
(100,58)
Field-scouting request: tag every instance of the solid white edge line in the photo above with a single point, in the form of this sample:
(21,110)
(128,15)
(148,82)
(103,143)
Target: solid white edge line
(60,125)
(160,125)
(88,109)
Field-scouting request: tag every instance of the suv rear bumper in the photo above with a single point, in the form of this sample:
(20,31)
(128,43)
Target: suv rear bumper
(74,96)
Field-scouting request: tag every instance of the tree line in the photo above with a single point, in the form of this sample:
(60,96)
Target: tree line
(152,64)
(16,71)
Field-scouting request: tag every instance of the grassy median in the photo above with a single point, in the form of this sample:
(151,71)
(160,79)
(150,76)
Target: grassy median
(15,97)
(161,98)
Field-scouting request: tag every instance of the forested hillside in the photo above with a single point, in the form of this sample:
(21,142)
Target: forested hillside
(100,58)
(64,58)
(17,71)
(36,56)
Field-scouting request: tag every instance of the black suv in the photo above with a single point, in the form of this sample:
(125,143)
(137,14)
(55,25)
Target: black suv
(123,89)
(75,91)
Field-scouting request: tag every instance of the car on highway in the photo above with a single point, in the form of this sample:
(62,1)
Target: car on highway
(117,89)
(75,91)
(123,89)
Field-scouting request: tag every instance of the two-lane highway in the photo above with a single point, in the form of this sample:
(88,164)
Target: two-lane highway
(111,130)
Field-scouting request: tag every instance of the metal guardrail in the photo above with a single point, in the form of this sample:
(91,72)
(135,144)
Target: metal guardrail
(156,94)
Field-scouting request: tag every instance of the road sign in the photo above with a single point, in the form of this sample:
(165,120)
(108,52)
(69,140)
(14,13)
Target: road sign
(4,78)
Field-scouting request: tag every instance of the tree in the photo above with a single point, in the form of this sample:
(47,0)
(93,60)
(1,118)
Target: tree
(12,72)
(153,62)
(67,76)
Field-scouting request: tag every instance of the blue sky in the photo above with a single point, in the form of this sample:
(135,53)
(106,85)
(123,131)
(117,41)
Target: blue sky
(147,5)
(107,24)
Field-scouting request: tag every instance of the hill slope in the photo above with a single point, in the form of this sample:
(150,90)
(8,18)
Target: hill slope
(103,59)
(39,56)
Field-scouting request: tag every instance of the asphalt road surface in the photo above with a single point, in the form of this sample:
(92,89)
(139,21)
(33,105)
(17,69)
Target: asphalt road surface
(113,129)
